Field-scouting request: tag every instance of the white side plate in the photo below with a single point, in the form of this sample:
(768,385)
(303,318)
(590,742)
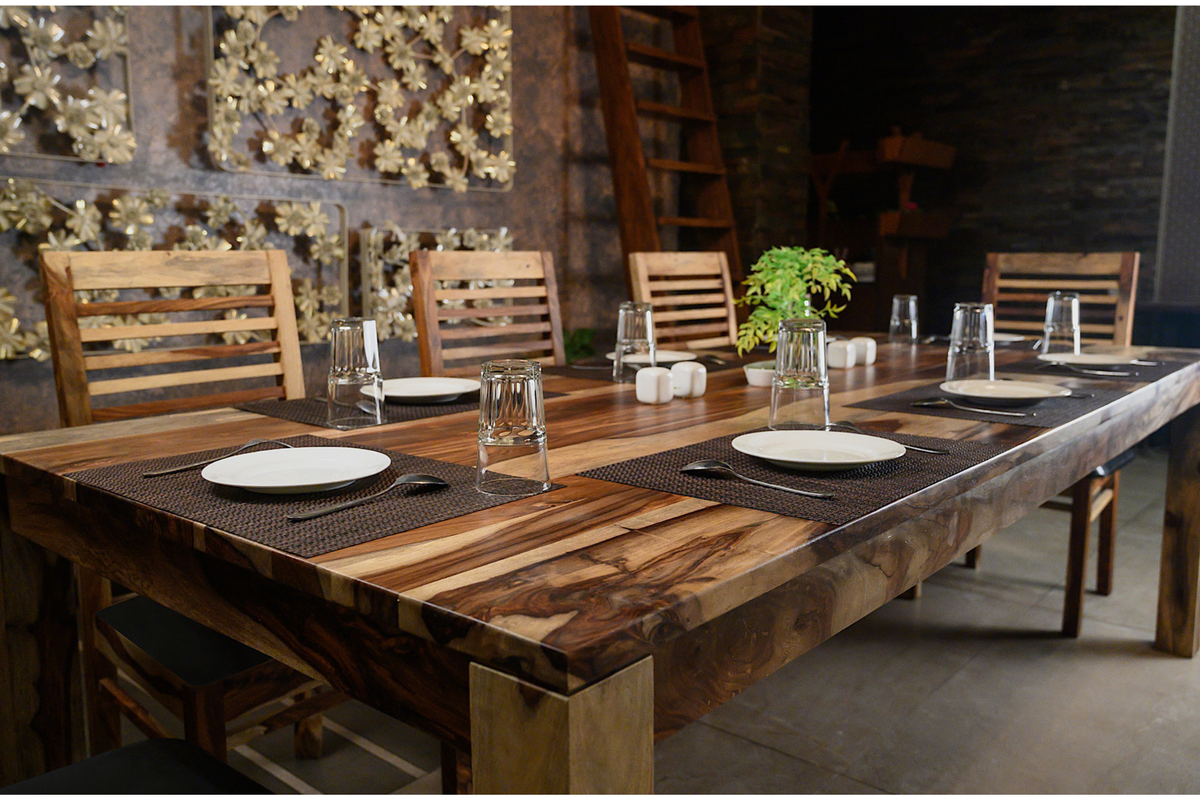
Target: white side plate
(1007,338)
(1087,359)
(662,356)
(424,390)
(823,451)
(1003,393)
(295,471)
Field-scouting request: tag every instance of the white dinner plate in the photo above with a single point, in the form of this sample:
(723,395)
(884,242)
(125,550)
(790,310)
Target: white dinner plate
(296,470)
(822,451)
(1087,359)
(1007,338)
(663,357)
(424,390)
(1003,393)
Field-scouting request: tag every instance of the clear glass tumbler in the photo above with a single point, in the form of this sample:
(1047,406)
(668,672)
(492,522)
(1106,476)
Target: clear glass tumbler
(1061,334)
(512,430)
(903,326)
(635,337)
(355,391)
(972,345)
(800,389)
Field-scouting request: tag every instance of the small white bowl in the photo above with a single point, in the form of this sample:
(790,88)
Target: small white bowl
(760,373)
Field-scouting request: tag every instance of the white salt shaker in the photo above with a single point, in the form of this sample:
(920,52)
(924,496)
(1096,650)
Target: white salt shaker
(690,379)
(654,385)
(864,349)
(840,354)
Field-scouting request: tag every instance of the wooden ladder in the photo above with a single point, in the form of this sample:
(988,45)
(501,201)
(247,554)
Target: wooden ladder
(704,193)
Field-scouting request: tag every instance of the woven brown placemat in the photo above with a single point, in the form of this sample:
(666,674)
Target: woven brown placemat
(856,493)
(312,411)
(261,517)
(1137,372)
(1043,414)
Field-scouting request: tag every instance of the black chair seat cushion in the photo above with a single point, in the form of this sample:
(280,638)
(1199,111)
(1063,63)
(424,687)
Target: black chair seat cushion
(1116,464)
(156,766)
(195,653)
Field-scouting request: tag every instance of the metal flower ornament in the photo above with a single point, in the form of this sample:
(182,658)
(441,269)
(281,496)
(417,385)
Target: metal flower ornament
(62,216)
(441,116)
(57,83)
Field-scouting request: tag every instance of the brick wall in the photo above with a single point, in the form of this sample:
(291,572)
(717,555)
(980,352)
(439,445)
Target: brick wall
(1058,114)
(759,64)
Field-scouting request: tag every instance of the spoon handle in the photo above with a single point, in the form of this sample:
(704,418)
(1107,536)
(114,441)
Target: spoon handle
(320,512)
(817,495)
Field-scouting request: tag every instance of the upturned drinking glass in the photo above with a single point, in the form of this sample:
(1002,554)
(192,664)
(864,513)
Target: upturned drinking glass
(1061,333)
(355,389)
(635,337)
(972,345)
(800,388)
(903,325)
(512,430)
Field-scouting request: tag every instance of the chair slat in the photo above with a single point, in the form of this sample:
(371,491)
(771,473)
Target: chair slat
(147,269)
(691,313)
(471,332)
(162,306)
(1037,325)
(170,356)
(688,300)
(487,351)
(1084,299)
(699,263)
(153,407)
(497,266)
(498,293)
(686,331)
(168,329)
(1061,263)
(188,378)
(1052,284)
(698,284)
(524,310)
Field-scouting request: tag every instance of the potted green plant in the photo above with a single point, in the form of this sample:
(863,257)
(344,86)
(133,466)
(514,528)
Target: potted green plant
(783,284)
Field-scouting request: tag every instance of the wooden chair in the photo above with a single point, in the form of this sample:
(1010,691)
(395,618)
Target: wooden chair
(455,337)
(201,676)
(1016,284)
(692,296)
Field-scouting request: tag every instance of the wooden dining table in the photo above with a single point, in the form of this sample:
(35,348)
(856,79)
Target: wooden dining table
(550,641)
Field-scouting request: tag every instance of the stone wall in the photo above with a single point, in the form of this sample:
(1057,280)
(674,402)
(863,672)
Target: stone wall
(1058,114)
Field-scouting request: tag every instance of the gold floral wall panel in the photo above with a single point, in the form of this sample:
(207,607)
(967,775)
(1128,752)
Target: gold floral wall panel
(416,95)
(387,282)
(39,215)
(64,72)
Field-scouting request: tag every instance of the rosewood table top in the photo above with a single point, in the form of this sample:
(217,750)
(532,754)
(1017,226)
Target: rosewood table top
(564,590)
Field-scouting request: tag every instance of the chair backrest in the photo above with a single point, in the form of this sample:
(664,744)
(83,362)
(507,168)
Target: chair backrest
(258,329)
(1017,284)
(691,294)
(462,297)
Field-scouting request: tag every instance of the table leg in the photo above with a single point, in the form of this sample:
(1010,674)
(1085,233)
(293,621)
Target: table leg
(525,739)
(1179,574)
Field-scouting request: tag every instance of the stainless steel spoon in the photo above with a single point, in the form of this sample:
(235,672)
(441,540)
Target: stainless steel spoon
(850,426)
(713,467)
(942,402)
(407,479)
(156,473)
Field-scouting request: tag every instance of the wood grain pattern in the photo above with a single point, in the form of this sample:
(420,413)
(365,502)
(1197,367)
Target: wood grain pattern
(565,589)
(598,740)
(536,329)
(65,273)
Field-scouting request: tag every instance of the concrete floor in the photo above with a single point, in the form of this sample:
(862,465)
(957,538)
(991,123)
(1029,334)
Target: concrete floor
(969,689)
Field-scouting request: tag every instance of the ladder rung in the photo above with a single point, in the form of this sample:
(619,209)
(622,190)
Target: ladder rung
(695,222)
(684,166)
(662,12)
(664,111)
(663,59)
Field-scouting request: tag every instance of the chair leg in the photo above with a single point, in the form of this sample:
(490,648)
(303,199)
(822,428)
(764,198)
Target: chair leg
(103,713)
(1108,539)
(456,771)
(308,734)
(911,593)
(204,719)
(974,556)
(1081,507)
